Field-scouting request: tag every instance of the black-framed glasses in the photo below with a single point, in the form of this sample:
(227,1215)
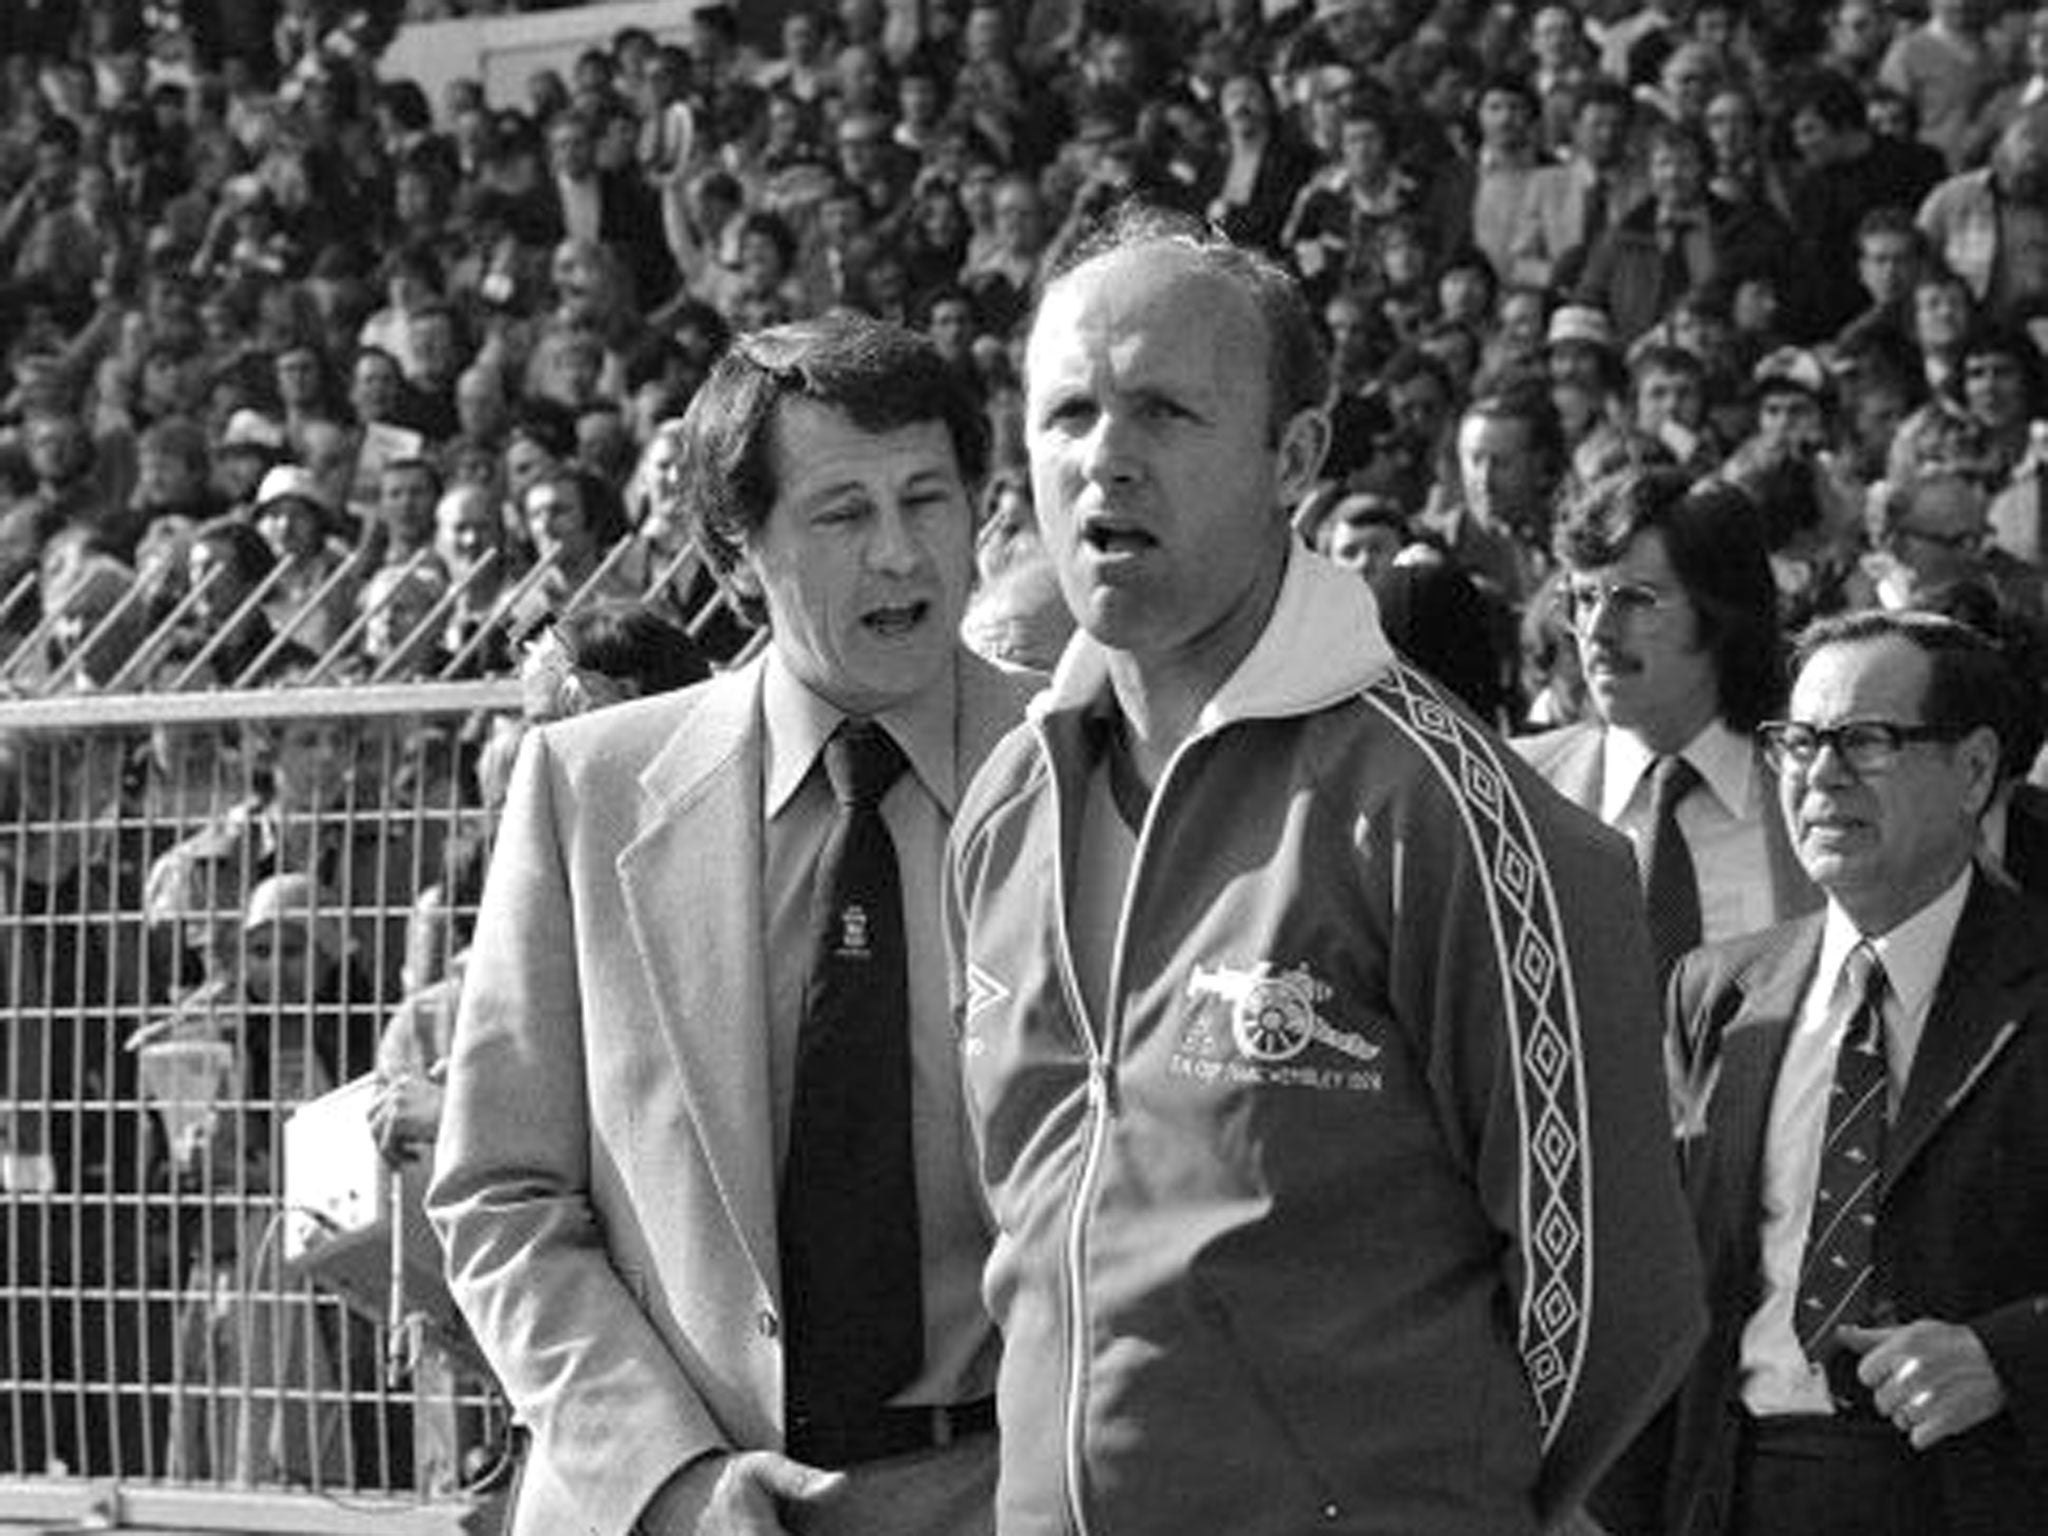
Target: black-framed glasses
(1866,746)
(1634,603)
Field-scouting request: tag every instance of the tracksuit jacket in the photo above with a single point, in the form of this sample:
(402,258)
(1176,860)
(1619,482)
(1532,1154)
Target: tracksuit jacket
(1356,1211)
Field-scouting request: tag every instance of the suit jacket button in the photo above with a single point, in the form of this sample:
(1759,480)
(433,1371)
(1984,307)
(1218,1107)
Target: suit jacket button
(766,1325)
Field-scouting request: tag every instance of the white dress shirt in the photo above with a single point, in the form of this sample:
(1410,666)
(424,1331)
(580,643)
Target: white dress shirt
(1721,821)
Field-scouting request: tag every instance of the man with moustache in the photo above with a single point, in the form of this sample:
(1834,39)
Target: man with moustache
(1302,1027)
(701,1177)
(1862,1103)
(1669,593)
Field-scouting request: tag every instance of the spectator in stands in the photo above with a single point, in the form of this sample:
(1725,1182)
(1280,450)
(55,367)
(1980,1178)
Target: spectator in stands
(96,621)
(1943,315)
(1362,531)
(173,477)
(1570,205)
(1263,167)
(1679,237)
(67,496)
(311,600)
(1505,170)
(1990,226)
(1933,535)
(1891,253)
(1945,68)
(1858,33)
(50,249)
(1004,280)
(605,653)
(1333,229)
(248,446)
(1495,523)
(229,638)
(265,1372)
(575,521)
(611,208)
(407,492)
(400,642)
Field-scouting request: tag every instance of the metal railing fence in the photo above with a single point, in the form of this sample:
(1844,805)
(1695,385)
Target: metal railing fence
(218,911)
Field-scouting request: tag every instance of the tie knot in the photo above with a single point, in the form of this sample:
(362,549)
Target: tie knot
(1863,978)
(1671,780)
(862,760)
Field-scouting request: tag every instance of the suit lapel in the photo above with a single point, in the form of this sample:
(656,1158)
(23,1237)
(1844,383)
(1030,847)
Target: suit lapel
(1743,1060)
(691,883)
(1977,1012)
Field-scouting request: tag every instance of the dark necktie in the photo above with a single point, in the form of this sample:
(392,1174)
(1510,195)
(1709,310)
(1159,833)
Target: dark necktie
(1677,266)
(1835,1273)
(1596,211)
(1670,890)
(849,1236)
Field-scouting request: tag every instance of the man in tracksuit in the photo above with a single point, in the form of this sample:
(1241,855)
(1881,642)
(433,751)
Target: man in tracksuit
(1309,1039)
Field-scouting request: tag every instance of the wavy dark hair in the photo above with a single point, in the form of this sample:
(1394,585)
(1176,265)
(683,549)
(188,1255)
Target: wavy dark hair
(880,376)
(1714,536)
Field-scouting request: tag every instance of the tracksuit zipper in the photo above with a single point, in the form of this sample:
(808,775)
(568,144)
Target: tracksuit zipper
(1102,1109)
(1101,1101)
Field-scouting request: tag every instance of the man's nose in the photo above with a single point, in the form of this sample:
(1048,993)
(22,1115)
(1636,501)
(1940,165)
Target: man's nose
(893,544)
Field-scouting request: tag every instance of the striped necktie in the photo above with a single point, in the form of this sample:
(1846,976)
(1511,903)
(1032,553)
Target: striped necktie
(1835,1275)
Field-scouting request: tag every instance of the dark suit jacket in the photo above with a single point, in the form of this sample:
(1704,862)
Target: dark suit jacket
(1627,275)
(1963,1216)
(629,222)
(2026,839)
(1571,757)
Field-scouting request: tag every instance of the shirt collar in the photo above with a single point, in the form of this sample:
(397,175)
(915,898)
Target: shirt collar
(1913,953)
(1322,642)
(1724,760)
(797,724)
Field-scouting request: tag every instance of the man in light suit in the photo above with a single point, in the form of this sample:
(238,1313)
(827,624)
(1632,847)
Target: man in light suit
(1916,1399)
(609,1179)
(1669,593)
(1572,203)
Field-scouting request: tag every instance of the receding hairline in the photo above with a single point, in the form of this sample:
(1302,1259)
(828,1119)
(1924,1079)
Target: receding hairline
(1189,261)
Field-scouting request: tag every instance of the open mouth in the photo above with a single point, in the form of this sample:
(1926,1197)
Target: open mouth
(1113,538)
(895,620)
(1829,826)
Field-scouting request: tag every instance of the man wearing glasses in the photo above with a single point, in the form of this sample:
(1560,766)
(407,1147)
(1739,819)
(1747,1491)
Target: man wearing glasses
(1861,1097)
(1669,593)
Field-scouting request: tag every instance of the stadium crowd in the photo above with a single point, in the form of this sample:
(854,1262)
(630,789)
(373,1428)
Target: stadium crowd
(310,379)
(251,282)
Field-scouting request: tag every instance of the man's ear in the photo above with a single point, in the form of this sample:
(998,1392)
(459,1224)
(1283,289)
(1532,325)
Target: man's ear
(1304,442)
(1980,754)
